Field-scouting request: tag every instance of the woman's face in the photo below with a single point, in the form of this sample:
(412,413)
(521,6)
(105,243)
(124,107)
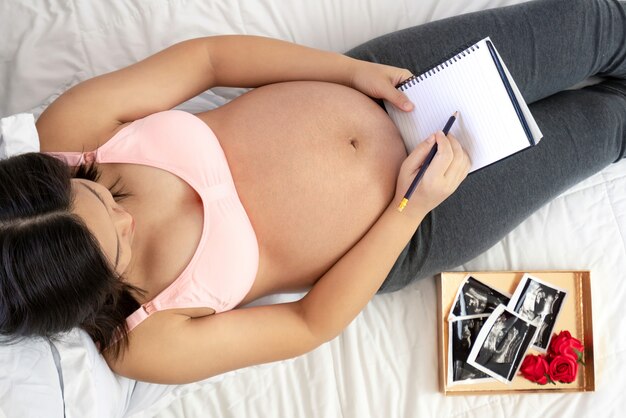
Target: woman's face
(109,222)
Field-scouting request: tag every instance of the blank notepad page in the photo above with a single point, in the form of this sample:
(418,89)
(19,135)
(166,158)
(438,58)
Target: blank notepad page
(488,127)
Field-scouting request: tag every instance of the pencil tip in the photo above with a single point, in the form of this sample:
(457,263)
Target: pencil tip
(456,114)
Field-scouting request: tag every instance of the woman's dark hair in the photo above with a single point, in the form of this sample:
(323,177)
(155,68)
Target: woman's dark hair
(54,275)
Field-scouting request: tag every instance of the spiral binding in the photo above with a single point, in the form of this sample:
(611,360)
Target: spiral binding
(456,56)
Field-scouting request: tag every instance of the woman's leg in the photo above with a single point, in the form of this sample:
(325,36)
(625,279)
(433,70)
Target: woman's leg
(548,46)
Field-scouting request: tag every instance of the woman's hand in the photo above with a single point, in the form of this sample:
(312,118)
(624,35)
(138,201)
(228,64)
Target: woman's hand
(380,81)
(447,170)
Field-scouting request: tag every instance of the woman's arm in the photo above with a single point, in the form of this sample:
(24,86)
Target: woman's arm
(178,350)
(252,61)
(86,115)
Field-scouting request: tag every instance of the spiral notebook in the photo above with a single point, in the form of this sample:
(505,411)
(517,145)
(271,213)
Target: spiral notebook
(494,121)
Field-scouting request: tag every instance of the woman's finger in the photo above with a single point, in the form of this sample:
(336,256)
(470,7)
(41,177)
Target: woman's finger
(458,157)
(398,99)
(393,95)
(416,158)
(442,158)
(460,165)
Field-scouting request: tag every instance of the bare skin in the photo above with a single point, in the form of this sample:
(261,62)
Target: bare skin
(318,166)
(329,159)
(328,174)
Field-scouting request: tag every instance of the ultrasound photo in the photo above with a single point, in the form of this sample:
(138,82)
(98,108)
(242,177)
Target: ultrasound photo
(475,297)
(462,334)
(501,344)
(539,302)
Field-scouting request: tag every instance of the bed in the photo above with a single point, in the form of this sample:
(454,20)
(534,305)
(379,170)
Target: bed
(385,363)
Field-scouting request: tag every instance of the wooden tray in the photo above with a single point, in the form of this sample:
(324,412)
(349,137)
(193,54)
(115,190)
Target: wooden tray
(575,317)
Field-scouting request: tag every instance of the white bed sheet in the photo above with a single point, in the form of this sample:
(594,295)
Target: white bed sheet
(385,363)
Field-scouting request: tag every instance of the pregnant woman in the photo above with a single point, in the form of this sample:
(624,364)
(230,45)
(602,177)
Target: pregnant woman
(150,228)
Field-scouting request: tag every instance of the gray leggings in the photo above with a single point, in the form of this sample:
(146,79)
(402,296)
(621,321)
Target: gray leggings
(548,46)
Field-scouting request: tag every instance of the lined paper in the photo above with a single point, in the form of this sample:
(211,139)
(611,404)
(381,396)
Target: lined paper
(488,127)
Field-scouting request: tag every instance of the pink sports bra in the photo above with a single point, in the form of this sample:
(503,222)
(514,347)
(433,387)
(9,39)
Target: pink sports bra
(224,266)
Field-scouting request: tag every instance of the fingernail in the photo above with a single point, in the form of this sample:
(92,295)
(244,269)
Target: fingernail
(430,139)
(407,106)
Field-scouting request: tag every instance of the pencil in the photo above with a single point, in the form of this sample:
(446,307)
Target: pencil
(424,166)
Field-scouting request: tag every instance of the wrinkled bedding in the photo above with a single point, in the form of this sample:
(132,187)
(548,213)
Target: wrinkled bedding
(385,363)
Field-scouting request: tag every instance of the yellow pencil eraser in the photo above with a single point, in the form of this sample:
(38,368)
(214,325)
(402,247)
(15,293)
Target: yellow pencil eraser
(403,204)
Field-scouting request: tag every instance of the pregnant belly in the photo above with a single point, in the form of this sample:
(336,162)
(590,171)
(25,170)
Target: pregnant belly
(315,164)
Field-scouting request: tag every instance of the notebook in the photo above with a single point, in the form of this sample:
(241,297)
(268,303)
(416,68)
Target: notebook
(494,120)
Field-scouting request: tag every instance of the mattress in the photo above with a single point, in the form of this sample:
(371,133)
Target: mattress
(385,363)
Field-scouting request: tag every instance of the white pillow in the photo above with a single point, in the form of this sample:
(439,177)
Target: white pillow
(29,382)
(63,378)
(18,135)
(90,388)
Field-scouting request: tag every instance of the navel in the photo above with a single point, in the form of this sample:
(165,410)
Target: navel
(354,142)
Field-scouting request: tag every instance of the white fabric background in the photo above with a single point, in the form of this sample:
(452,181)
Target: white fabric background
(385,363)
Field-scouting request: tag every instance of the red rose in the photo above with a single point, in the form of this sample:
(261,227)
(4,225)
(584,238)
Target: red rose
(535,368)
(563,368)
(564,344)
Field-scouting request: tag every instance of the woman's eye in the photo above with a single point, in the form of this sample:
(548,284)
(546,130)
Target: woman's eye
(117,191)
